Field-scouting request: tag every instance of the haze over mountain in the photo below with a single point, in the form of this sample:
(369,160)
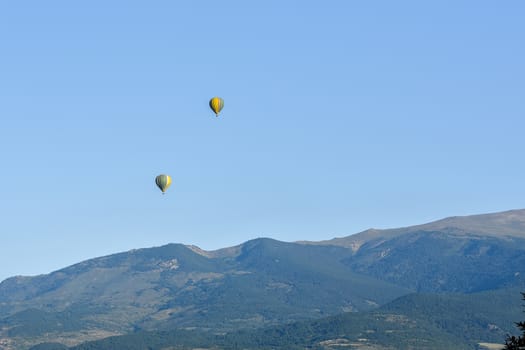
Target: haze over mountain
(264,282)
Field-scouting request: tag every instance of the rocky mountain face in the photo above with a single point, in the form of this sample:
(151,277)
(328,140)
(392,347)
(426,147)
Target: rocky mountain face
(457,254)
(443,261)
(262,282)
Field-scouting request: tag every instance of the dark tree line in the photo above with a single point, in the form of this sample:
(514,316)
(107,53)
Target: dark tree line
(517,343)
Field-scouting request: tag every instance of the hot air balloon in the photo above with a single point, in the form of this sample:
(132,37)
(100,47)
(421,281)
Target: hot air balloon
(163,182)
(216,105)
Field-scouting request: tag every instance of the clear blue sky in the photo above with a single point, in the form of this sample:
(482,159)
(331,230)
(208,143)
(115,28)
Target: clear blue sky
(339,116)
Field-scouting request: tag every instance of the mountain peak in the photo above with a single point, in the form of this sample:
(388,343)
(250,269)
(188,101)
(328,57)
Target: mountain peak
(506,223)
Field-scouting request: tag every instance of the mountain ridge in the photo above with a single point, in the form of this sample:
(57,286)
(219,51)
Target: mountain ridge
(509,223)
(513,222)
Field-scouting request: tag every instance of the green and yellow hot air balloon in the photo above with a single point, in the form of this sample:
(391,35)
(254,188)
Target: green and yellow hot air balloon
(163,182)
(216,105)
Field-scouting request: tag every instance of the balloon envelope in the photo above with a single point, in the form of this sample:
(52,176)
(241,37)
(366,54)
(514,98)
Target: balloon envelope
(163,182)
(216,105)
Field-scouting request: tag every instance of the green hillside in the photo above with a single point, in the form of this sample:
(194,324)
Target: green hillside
(416,321)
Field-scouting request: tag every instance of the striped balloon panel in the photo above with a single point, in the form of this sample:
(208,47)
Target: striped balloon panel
(216,104)
(163,182)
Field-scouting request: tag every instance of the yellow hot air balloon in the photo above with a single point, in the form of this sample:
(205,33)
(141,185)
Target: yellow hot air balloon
(163,182)
(216,105)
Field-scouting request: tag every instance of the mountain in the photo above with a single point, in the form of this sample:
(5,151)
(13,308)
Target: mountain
(261,283)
